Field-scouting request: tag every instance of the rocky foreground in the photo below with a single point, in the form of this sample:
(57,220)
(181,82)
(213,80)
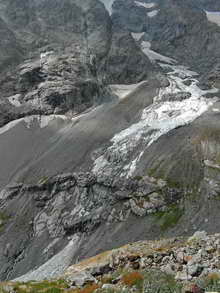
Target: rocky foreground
(167,265)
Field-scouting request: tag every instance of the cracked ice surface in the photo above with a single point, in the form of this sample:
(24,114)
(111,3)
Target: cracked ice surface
(156,120)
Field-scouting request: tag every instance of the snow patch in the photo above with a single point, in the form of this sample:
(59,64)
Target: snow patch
(152,13)
(14,100)
(137,36)
(146,5)
(215,110)
(154,56)
(122,90)
(108,5)
(213,16)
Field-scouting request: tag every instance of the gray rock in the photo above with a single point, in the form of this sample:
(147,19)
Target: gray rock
(79,279)
(198,235)
(168,269)
(183,276)
(108,286)
(194,270)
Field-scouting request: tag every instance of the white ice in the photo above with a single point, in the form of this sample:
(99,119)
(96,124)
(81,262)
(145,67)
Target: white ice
(213,16)
(152,13)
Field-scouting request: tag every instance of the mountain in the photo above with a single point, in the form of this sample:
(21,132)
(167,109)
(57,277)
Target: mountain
(109,127)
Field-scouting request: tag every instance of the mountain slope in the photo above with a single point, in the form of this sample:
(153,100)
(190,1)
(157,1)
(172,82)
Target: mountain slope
(109,128)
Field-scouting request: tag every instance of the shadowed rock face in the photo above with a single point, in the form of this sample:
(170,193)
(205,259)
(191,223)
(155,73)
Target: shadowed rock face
(10,50)
(174,27)
(70,52)
(106,136)
(209,4)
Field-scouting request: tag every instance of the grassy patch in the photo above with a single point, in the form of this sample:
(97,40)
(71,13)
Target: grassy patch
(3,219)
(133,279)
(138,178)
(151,281)
(56,286)
(87,289)
(43,180)
(169,218)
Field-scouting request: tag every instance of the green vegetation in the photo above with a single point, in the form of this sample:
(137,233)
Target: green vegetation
(43,180)
(138,178)
(3,219)
(129,281)
(56,286)
(169,218)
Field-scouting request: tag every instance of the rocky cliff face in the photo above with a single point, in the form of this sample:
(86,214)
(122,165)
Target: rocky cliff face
(109,127)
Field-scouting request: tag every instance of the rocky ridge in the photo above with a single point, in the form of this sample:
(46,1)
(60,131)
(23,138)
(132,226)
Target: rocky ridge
(186,259)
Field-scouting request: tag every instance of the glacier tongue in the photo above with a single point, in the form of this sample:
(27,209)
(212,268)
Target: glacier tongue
(156,120)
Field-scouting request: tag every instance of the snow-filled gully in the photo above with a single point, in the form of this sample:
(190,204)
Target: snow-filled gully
(162,116)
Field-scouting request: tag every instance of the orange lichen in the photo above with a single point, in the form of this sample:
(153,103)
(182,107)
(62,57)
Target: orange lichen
(213,277)
(87,289)
(131,279)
